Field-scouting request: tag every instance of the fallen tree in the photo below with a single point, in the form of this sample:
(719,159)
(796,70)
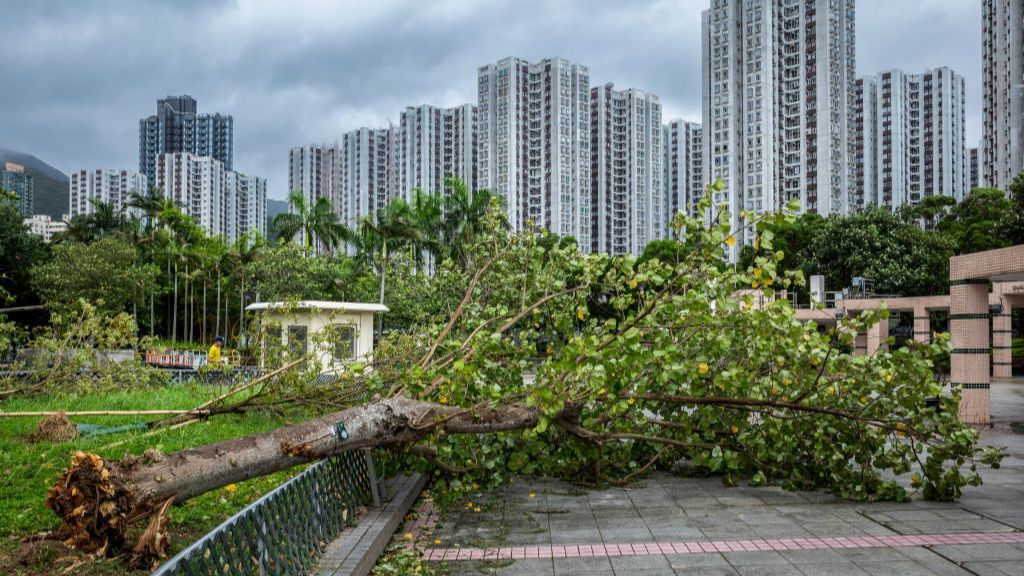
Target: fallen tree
(557,363)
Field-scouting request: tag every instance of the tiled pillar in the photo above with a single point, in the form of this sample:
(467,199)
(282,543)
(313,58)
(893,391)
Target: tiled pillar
(877,336)
(1002,342)
(968,322)
(922,325)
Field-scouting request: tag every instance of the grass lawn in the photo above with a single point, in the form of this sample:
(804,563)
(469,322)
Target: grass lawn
(30,468)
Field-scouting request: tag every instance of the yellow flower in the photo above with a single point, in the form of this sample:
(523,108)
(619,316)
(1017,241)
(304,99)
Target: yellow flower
(437,541)
(579,314)
(633,283)
(743,213)
(631,401)
(758,272)
(443,399)
(916,478)
(550,349)
(476,486)
(469,504)
(769,282)
(757,244)
(807,337)
(477,509)
(408,536)
(888,378)
(776,389)
(601,391)
(734,429)
(231,488)
(533,494)
(703,368)
(730,241)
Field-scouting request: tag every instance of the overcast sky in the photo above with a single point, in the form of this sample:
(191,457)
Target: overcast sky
(77,75)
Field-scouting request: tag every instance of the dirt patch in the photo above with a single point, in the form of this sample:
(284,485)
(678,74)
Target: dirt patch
(55,428)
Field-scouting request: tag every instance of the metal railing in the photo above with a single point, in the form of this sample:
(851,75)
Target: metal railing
(285,531)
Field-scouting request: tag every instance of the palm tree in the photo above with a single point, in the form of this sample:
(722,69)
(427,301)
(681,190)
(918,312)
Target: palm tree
(388,228)
(463,211)
(151,203)
(425,214)
(319,221)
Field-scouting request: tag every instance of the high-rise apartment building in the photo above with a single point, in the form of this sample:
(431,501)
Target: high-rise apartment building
(367,173)
(114,187)
(313,170)
(909,138)
(178,127)
(778,81)
(432,144)
(1002,49)
(246,205)
(627,186)
(534,137)
(974,170)
(221,201)
(460,145)
(684,168)
(14,178)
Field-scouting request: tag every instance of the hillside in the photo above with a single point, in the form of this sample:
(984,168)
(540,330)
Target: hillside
(274,207)
(51,185)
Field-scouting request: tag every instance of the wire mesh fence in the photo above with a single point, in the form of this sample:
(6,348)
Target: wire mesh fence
(285,531)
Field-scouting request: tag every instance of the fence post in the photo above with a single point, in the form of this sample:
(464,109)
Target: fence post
(372,475)
(261,545)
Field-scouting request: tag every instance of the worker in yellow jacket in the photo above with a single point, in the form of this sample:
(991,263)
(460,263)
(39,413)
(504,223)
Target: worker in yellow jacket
(213,357)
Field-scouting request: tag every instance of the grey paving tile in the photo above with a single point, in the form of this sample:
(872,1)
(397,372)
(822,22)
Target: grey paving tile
(831,569)
(906,568)
(682,561)
(766,570)
(754,558)
(708,571)
(994,568)
(635,564)
(527,567)
(582,566)
(800,557)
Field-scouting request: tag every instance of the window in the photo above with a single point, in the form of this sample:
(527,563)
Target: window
(296,340)
(344,339)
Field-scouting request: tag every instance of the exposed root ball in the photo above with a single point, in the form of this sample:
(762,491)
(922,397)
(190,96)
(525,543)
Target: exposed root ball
(152,545)
(92,501)
(55,428)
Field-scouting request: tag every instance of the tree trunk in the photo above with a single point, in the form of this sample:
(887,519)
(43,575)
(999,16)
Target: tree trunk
(174,333)
(218,305)
(203,335)
(152,315)
(97,498)
(241,308)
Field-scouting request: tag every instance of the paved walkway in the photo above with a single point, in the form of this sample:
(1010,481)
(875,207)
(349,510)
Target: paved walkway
(671,525)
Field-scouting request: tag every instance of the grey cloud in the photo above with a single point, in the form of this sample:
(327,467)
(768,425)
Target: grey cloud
(79,74)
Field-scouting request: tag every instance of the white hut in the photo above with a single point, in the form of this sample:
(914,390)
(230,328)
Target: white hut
(301,325)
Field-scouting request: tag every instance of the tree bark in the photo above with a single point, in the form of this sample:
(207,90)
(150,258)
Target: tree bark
(97,498)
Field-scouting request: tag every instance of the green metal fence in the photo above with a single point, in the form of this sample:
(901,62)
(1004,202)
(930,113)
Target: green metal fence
(285,531)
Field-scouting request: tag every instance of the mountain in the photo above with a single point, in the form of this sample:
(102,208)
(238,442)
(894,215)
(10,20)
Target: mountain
(50,184)
(274,207)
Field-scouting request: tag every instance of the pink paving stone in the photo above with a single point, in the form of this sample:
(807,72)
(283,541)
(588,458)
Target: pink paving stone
(666,549)
(763,546)
(572,551)
(519,552)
